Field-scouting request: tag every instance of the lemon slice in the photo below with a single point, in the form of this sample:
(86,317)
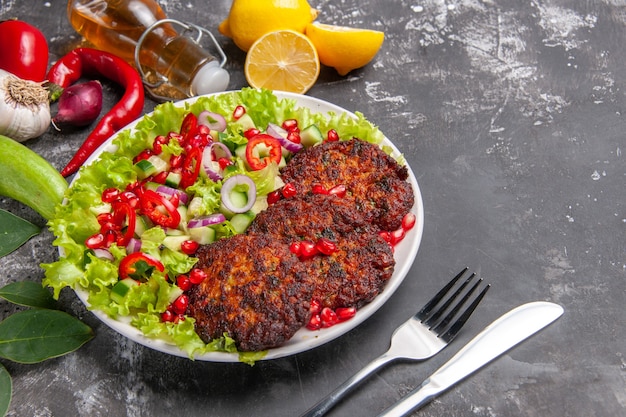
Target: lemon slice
(344,48)
(282,60)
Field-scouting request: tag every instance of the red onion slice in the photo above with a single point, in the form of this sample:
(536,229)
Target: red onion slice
(228,187)
(214,121)
(209,220)
(281,134)
(169,192)
(103,254)
(210,157)
(133,245)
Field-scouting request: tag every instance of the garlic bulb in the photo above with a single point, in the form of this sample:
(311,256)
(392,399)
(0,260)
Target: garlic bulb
(24,108)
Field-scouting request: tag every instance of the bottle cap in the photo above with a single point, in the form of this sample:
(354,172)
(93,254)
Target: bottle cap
(210,78)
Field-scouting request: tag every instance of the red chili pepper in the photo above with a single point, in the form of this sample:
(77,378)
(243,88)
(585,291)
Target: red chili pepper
(254,157)
(189,124)
(139,266)
(159,209)
(124,211)
(191,167)
(83,61)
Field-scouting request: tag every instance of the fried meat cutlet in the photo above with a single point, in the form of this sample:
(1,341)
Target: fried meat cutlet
(255,291)
(363,262)
(375,182)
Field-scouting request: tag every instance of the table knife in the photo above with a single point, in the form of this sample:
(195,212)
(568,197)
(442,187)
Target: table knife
(500,336)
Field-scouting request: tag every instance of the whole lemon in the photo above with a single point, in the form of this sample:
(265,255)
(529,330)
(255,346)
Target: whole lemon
(248,20)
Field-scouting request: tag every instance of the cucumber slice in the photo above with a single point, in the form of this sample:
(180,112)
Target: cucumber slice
(203,235)
(241,221)
(121,288)
(174,242)
(311,136)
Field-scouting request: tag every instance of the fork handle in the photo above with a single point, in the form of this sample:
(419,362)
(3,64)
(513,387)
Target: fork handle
(333,398)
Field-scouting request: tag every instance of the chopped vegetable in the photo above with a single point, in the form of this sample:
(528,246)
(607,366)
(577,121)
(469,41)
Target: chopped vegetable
(261,150)
(139,266)
(83,61)
(24,107)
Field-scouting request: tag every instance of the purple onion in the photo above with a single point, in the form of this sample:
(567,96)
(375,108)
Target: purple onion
(103,254)
(209,220)
(169,192)
(281,134)
(79,104)
(211,155)
(229,185)
(214,121)
(133,245)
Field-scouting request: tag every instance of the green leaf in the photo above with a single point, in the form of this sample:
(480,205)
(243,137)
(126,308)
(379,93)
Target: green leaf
(6,388)
(33,336)
(14,232)
(29,294)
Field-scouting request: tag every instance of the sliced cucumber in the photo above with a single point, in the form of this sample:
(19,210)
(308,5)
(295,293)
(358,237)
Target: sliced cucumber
(203,235)
(174,242)
(151,166)
(311,136)
(245,122)
(121,288)
(173,179)
(241,221)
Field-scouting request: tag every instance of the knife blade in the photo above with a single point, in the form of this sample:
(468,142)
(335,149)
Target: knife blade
(500,336)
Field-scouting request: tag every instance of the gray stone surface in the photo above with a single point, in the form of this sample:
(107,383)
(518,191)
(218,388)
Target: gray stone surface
(510,115)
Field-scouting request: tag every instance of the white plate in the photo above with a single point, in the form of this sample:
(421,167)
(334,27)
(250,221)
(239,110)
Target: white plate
(304,339)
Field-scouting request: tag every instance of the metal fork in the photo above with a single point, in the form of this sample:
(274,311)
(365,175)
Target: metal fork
(420,337)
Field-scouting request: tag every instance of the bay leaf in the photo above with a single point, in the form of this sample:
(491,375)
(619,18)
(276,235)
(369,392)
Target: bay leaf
(29,294)
(14,232)
(6,390)
(32,336)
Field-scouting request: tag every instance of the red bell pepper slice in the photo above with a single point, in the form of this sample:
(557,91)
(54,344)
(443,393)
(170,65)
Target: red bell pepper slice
(159,209)
(268,145)
(139,266)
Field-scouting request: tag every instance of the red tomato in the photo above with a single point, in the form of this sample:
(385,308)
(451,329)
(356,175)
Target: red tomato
(24,50)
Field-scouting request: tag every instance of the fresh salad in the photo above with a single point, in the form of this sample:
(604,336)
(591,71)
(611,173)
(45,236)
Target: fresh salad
(184,176)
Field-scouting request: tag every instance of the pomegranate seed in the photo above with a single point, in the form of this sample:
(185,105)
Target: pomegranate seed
(315,323)
(189,247)
(145,154)
(315,307)
(291,125)
(294,137)
(238,112)
(104,218)
(332,136)
(96,241)
(385,235)
(183,282)
(408,221)
(197,275)
(329,317)
(338,190)
(325,246)
(289,190)
(167,316)
(318,189)
(397,236)
(179,318)
(273,197)
(180,304)
(345,313)
(250,133)
(308,249)
(295,248)
(110,194)
(160,177)
(157,148)
(224,162)
(176,161)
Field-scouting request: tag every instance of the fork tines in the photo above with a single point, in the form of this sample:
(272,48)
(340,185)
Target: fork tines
(439,305)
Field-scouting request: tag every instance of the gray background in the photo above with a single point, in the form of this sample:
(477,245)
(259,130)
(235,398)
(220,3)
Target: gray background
(510,115)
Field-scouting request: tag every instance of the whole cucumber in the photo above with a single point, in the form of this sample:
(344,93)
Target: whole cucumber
(28,178)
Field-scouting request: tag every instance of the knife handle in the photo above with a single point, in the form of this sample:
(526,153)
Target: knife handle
(417,398)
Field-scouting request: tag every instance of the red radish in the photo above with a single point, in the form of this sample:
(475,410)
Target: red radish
(79,104)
